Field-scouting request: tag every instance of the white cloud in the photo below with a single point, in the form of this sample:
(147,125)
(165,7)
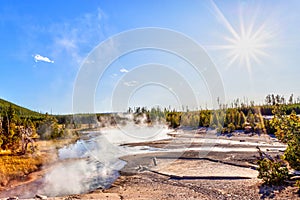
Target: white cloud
(131,83)
(123,70)
(38,58)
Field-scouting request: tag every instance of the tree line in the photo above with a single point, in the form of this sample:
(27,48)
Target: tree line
(237,116)
(18,126)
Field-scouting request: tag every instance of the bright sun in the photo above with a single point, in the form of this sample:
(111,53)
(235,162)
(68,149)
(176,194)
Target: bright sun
(246,46)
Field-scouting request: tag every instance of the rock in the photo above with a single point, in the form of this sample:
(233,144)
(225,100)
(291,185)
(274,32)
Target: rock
(154,161)
(39,196)
(295,178)
(295,172)
(12,198)
(4,182)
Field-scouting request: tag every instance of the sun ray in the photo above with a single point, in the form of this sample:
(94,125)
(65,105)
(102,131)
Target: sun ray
(248,64)
(259,33)
(233,59)
(243,34)
(261,53)
(224,20)
(255,58)
(229,39)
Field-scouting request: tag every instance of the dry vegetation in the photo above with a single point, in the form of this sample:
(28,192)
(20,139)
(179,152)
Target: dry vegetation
(17,167)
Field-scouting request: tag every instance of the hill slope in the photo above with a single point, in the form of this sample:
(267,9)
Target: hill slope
(20,111)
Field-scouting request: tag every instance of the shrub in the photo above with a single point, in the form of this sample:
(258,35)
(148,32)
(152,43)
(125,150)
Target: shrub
(298,184)
(231,127)
(273,172)
(288,131)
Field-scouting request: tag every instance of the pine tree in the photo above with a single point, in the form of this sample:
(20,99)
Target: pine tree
(251,118)
(215,123)
(288,131)
(49,129)
(10,134)
(242,119)
(238,124)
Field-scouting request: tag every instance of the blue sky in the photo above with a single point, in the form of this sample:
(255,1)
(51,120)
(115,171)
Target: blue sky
(255,46)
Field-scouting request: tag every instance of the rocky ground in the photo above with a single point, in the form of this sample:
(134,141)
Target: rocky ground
(192,174)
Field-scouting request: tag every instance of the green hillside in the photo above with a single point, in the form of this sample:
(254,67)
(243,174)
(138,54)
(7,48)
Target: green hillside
(20,111)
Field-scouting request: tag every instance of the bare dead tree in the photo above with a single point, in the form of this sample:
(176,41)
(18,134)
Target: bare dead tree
(263,155)
(26,139)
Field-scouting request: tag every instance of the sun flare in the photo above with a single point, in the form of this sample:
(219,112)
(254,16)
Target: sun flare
(246,46)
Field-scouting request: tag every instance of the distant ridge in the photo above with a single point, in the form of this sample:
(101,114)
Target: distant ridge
(21,111)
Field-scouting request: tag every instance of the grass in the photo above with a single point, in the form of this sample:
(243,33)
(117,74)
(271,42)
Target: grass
(16,167)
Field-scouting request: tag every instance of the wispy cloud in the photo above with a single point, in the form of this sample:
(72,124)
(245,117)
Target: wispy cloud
(130,83)
(123,70)
(74,39)
(39,58)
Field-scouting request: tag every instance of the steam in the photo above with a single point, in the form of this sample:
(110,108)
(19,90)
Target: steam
(67,179)
(94,162)
(87,165)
